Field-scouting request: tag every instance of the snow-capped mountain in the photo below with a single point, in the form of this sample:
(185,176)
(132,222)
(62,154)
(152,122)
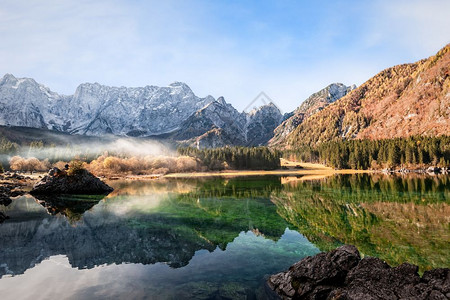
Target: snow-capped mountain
(173,112)
(96,109)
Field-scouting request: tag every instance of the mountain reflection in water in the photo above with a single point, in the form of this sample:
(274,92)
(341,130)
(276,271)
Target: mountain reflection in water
(203,238)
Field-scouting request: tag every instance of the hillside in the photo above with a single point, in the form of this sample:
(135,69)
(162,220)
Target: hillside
(405,100)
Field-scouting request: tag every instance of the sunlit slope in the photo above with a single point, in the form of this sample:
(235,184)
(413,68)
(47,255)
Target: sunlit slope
(405,100)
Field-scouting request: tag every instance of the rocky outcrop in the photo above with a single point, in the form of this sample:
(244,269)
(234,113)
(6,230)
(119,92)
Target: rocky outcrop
(11,186)
(342,274)
(315,103)
(59,182)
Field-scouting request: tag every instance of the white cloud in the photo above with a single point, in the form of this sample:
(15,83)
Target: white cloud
(62,43)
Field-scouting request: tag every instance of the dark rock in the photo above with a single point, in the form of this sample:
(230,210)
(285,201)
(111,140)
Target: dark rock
(4,199)
(15,193)
(375,278)
(59,182)
(316,275)
(8,190)
(3,217)
(14,176)
(341,274)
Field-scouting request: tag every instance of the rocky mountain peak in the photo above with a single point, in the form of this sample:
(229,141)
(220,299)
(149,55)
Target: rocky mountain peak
(266,107)
(313,104)
(96,109)
(221,100)
(180,87)
(8,78)
(325,96)
(14,82)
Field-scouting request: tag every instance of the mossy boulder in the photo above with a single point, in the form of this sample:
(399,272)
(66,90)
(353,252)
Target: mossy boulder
(60,182)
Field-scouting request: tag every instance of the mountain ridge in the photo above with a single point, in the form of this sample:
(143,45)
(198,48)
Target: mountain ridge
(404,100)
(97,110)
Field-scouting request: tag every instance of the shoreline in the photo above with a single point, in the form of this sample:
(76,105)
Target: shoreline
(239,173)
(293,168)
(288,168)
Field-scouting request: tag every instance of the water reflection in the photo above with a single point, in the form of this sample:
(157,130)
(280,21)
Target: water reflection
(398,219)
(203,238)
(144,225)
(71,206)
(237,273)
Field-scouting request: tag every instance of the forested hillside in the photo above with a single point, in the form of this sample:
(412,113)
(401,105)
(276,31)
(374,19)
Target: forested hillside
(238,158)
(408,152)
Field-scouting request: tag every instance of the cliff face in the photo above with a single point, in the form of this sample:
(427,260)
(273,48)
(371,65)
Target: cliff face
(405,100)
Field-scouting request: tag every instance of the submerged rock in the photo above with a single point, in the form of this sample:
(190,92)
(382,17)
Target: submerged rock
(59,182)
(342,274)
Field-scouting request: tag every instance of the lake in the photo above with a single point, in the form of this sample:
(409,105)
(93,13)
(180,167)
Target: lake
(214,238)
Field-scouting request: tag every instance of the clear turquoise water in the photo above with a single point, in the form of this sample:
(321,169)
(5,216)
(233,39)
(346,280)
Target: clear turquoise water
(213,238)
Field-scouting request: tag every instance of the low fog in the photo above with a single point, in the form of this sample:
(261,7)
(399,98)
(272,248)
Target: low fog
(121,147)
(103,156)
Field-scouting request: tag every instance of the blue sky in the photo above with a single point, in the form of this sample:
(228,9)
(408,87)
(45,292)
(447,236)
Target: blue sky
(235,49)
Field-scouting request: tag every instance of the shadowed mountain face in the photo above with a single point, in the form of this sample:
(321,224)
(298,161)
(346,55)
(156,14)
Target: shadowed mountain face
(405,100)
(219,124)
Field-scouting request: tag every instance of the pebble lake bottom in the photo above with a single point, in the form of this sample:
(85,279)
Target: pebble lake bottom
(214,238)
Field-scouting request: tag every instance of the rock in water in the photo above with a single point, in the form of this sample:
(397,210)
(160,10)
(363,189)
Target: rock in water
(342,274)
(59,182)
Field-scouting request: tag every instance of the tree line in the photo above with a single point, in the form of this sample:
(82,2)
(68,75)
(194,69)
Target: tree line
(414,151)
(239,158)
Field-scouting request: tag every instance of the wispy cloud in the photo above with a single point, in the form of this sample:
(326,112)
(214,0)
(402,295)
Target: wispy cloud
(235,49)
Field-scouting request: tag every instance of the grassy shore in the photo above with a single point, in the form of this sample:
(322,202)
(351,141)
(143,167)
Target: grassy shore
(289,168)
